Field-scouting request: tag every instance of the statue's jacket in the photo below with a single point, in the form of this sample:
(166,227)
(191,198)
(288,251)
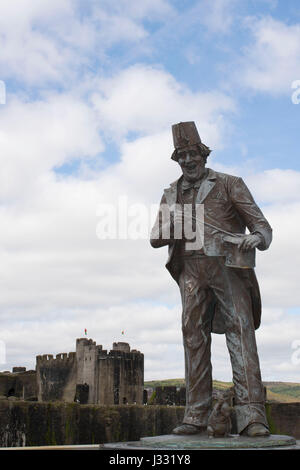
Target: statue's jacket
(228,204)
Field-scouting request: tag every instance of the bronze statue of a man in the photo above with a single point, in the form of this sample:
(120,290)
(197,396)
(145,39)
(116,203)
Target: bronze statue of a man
(218,286)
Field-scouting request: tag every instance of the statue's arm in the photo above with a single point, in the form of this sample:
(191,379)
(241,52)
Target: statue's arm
(250,212)
(162,228)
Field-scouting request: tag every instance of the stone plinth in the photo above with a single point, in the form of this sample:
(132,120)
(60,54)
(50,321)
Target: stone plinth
(201,442)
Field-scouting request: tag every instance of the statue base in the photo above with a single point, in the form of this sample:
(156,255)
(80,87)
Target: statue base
(201,441)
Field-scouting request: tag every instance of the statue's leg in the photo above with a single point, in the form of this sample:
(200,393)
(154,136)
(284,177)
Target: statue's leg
(196,329)
(232,291)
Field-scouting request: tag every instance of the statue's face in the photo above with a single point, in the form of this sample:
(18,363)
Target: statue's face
(191,162)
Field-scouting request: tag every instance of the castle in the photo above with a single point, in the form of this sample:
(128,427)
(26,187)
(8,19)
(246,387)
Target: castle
(89,375)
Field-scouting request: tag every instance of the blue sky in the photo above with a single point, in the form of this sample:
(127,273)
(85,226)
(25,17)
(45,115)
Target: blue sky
(93,88)
(202,58)
(201,52)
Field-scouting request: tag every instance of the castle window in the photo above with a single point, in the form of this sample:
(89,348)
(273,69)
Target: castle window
(11,392)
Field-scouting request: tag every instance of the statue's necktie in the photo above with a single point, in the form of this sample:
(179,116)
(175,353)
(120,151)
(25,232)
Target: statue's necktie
(186,185)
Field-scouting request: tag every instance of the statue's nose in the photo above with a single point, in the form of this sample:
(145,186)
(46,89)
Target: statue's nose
(187,158)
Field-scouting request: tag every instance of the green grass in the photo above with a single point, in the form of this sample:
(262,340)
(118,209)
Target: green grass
(283,392)
(181,383)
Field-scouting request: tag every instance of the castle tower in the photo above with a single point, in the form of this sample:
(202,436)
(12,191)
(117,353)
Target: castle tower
(87,353)
(92,374)
(121,376)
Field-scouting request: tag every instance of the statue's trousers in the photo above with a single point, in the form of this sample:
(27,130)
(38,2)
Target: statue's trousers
(205,281)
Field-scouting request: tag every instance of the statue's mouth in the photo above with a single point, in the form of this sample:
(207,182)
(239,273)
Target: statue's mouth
(190,167)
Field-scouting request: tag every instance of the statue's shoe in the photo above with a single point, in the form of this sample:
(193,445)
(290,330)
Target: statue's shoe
(188,429)
(256,430)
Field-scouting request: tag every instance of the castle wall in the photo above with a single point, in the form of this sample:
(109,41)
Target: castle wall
(19,383)
(56,377)
(27,423)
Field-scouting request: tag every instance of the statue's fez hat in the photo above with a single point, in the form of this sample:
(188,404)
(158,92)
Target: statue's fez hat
(185,134)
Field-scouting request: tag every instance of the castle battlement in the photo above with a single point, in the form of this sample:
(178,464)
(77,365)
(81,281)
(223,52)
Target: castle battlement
(117,352)
(59,358)
(18,369)
(120,346)
(113,354)
(85,342)
(103,354)
(125,348)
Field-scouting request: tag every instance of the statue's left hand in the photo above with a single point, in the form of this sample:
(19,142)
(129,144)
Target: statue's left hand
(249,242)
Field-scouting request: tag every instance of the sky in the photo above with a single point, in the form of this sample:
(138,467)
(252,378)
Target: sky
(92,90)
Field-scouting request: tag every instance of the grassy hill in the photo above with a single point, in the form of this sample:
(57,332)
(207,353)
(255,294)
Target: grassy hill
(286,392)
(283,392)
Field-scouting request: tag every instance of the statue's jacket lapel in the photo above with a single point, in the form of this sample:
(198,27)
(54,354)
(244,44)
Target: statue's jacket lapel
(206,187)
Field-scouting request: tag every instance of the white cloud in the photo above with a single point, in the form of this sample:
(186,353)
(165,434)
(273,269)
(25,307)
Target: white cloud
(26,51)
(123,20)
(147,100)
(278,193)
(36,136)
(218,15)
(137,8)
(274,342)
(276,185)
(279,266)
(50,41)
(272,61)
(114,28)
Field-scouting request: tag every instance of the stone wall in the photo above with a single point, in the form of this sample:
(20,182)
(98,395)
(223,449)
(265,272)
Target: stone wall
(169,395)
(28,423)
(19,383)
(34,423)
(284,418)
(56,377)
